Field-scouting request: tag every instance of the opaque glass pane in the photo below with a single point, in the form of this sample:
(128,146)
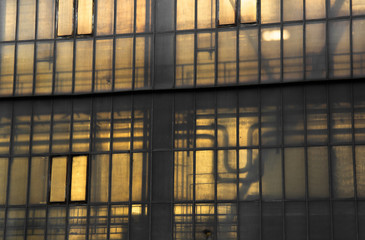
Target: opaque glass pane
(294,173)
(58,179)
(105,17)
(120,178)
(358,7)
(143,15)
(103,65)
(18,181)
(227,175)
(65,17)
(84,65)
(85,17)
(293,53)
(342,172)
(81,125)
(183,176)
(339,8)
(318,178)
(249,177)
(125,16)
(26,19)
(227,12)
(46,18)
(184,73)
(64,66)
(185,12)
(248,11)
(140,176)
(143,59)
(78,178)
(7,20)
(7,52)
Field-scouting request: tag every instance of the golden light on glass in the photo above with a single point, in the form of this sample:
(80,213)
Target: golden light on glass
(78,178)
(58,179)
(275,35)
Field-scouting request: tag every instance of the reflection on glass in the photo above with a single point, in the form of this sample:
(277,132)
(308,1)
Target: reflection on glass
(183,176)
(183,222)
(85,17)
(36,222)
(227,221)
(102,112)
(56,223)
(21,127)
(358,7)
(339,8)
(204,220)
(119,222)
(81,125)
(15,223)
(248,11)
(248,182)
(65,17)
(42,111)
(58,179)
(185,12)
(143,58)
(78,178)
(140,176)
(7,52)
(61,126)
(77,222)
(227,12)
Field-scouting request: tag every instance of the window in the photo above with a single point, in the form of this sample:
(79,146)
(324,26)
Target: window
(68,181)
(71,13)
(230,9)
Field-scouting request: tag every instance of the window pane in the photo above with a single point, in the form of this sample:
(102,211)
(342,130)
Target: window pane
(339,8)
(358,33)
(21,127)
(42,111)
(227,12)
(64,62)
(140,177)
(248,56)
(99,178)
(293,10)
(58,179)
(46,18)
(120,178)
(342,172)
(248,11)
(123,63)
(56,223)
(294,173)
(44,66)
(205,59)
(122,123)
(249,174)
(227,51)
(227,175)
(339,49)
(7,20)
(185,12)
(271,170)
(84,65)
(143,62)
(7,52)
(183,177)
(18,181)
(3,181)
(270,54)
(184,60)
(105,19)
(61,126)
(85,17)
(206,13)
(101,126)
(358,7)
(103,65)
(65,17)
(270,11)
(360,170)
(315,34)
(318,179)
(26,19)
(81,125)
(204,178)
(25,60)
(293,53)
(315,9)
(38,180)
(143,15)
(125,16)
(78,178)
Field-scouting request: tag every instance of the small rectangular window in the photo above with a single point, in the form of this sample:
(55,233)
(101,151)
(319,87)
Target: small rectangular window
(68,180)
(67,17)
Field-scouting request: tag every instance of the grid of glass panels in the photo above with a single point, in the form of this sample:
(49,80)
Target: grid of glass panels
(144,44)
(233,164)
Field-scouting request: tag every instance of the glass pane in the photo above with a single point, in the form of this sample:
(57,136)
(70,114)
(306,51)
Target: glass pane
(227,52)
(358,47)
(7,52)
(360,171)
(319,220)
(183,222)
(293,117)
(248,56)
(184,73)
(250,220)
(183,177)
(25,60)
(44,66)
(15,224)
(270,54)
(140,177)
(248,117)
(85,16)
(18,181)
(271,171)
(249,174)
(105,17)
(164,61)
(98,226)
(248,11)
(21,127)
(339,49)
(65,17)
(226,119)
(359,112)
(120,177)
(143,62)
(227,224)
(36,222)
(125,16)
(58,179)
(56,223)
(103,65)
(81,125)
(122,123)
(270,11)
(185,12)
(7,20)
(204,220)
(4,162)
(84,65)
(227,12)
(143,15)
(184,120)
(271,113)
(358,7)
(339,8)
(99,178)
(78,178)
(294,173)
(315,9)
(42,111)
(46,18)
(293,53)
(61,126)
(315,51)
(205,59)
(123,63)
(5,126)
(165,15)
(26,19)
(227,175)
(205,120)
(342,172)
(206,14)
(205,175)
(77,222)
(119,222)
(64,63)
(318,178)
(102,123)
(38,180)
(293,10)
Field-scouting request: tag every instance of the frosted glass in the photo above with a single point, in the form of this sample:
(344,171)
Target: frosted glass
(78,178)
(65,17)
(85,17)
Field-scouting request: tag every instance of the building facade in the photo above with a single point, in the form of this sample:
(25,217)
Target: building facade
(182,119)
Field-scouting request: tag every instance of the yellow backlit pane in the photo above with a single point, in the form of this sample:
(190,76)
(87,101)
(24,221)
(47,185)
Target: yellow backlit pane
(65,17)
(85,17)
(78,178)
(248,11)
(227,12)
(204,179)
(185,14)
(58,179)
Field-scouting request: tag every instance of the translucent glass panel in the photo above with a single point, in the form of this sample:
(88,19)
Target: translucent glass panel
(65,17)
(292,10)
(205,59)
(293,53)
(342,172)
(205,121)
(38,180)
(64,66)
(165,15)
(77,222)
(21,127)
(185,14)
(183,175)
(58,179)
(271,171)
(26,19)
(249,177)
(184,73)
(204,178)
(270,54)
(85,16)
(360,171)
(123,63)
(103,65)
(227,175)
(140,164)
(143,62)
(83,66)
(358,46)
(122,118)
(78,178)
(339,49)
(7,52)
(164,59)
(293,116)
(206,14)
(143,15)
(120,178)
(125,16)
(46,19)
(24,69)
(339,8)
(183,221)
(18,181)
(44,68)
(102,114)
(81,125)
(56,223)
(271,125)
(248,56)
(36,223)
(315,9)
(105,17)
(358,7)
(294,167)
(227,12)
(270,11)
(4,162)
(226,120)
(248,11)
(318,175)
(7,20)
(99,188)
(315,36)
(227,52)
(61,127)
(15,223)
(248,118)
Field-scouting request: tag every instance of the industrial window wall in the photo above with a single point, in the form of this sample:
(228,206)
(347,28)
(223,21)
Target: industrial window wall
(276,162)
(182,119)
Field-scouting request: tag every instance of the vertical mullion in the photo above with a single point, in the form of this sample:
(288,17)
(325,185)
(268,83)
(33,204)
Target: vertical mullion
(153,26)
(259,49)
(131,168)
(238,21)
(10,161)
(175,23)
(281,43)
(150,175)
(54,47)
(134,47)
(113,64)
(195,43)
(74,45)
(16,47)
(215,30)
(95,12)
(35,46)
(351,43)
